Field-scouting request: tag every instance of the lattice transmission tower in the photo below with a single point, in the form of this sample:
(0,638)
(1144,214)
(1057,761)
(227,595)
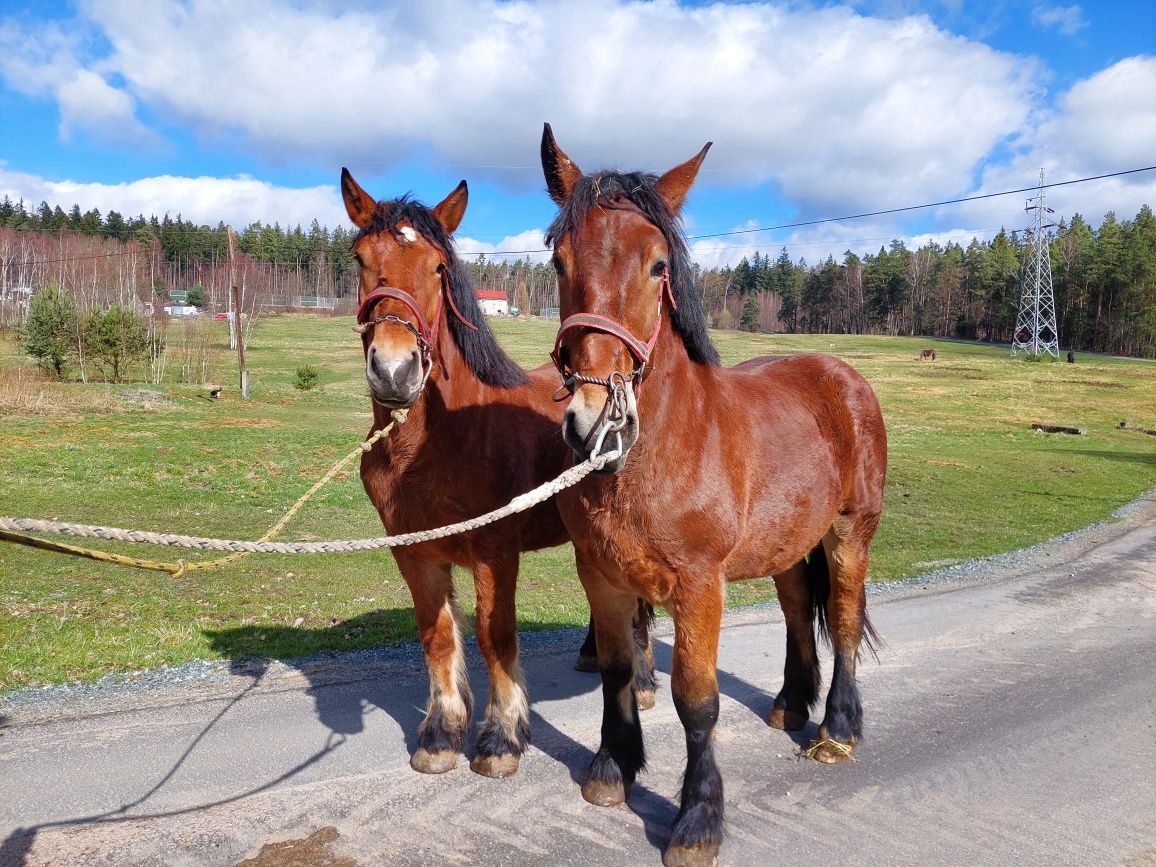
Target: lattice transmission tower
(1036,331)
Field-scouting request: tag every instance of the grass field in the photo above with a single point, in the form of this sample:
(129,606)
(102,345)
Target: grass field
(967,477)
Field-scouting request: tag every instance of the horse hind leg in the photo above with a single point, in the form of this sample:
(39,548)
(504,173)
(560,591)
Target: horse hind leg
(441,735)
(588,653)
(645,683)
(504,733)
(797,589)
(846,619)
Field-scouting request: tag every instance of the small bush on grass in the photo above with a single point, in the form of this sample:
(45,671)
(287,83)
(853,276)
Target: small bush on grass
(307,377)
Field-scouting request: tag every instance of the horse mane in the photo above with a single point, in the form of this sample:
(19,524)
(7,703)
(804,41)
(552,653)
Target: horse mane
(610,189)
(480,349)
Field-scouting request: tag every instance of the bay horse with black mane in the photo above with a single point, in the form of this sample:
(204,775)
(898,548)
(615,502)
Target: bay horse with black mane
(480,431)
(774,467)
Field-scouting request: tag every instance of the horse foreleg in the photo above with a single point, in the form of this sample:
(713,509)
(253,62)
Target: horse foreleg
(842,725)
(801,677)
(505,731)
(441,735)
(698,827)
(620,755)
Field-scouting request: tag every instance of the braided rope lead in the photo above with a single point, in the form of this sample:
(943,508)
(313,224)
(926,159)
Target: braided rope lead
(520,503)
(183,567)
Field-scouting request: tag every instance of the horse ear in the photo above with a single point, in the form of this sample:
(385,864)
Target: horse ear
(452,208)
(561,173)
(359,204)
(674,185)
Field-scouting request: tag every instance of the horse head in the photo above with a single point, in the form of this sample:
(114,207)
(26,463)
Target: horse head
(403,253)
(620,257)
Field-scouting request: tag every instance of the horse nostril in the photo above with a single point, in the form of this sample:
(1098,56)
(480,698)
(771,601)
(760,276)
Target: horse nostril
(570,431)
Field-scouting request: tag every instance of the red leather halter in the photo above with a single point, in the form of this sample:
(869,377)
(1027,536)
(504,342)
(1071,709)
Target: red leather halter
(595,322)
(423,328)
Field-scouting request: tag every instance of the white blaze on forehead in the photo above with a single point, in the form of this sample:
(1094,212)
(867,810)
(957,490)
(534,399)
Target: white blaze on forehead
(408,234)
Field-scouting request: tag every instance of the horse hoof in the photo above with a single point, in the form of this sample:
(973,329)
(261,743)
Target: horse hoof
(690,856)
(645,699)
(587,663)
(830,752)
(426,762)
(786,720)
(602,794)
(497,767)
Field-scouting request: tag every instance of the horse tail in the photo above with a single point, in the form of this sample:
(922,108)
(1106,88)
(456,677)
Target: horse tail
(819,583)
(818,576)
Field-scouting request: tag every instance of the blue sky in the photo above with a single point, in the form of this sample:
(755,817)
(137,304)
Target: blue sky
(220,110)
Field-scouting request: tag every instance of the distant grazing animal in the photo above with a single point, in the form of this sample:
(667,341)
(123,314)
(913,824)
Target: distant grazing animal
(480,431)
(774,467)
(927,355)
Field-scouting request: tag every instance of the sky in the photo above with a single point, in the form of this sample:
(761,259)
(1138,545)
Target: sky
(220,110)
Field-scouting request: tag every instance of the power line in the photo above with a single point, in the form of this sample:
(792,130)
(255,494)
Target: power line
(795,225)
(878,213)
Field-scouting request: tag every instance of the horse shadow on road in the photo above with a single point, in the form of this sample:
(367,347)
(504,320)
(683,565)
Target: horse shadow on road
(345,688)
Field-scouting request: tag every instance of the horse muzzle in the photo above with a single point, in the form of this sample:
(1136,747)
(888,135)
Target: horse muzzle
(597,423)
(395,381)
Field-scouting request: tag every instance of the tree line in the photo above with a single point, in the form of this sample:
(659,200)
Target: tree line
(1104,277)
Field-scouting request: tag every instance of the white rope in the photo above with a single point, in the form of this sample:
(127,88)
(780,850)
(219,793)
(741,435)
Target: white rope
(519,504)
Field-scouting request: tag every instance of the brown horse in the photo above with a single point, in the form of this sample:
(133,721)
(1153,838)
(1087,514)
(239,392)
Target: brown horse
(774,467)
(480,431)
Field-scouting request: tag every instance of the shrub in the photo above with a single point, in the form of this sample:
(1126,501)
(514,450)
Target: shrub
(307,377)
(197,296)
(115,339)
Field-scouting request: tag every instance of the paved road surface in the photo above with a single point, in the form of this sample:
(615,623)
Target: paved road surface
(1010,722)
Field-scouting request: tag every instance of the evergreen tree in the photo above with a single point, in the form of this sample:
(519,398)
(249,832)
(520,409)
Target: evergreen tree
(48,333)
(115,339)
(749,320)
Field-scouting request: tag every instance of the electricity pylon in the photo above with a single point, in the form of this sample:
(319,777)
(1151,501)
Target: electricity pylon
(1036,331)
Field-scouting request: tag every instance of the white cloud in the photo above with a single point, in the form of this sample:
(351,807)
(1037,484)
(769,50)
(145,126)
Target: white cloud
(1068,20)
(46,64)
(510,249)
(236,201)
(1105,123)
(89,104)
(836,108)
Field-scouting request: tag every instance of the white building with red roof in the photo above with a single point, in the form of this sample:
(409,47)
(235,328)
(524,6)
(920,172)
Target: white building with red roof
(493,302)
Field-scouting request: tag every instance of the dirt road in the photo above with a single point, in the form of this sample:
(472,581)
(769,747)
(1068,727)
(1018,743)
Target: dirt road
(1010,720)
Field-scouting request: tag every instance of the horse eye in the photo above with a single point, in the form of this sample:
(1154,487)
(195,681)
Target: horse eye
(358,260)
(658,268)
(557,263)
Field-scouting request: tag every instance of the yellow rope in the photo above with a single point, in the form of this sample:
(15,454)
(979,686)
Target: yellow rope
(182,566)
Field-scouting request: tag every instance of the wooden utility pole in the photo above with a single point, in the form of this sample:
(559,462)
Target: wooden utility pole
(235,325)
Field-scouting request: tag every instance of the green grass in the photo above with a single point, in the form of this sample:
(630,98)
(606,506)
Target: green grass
(967,478)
